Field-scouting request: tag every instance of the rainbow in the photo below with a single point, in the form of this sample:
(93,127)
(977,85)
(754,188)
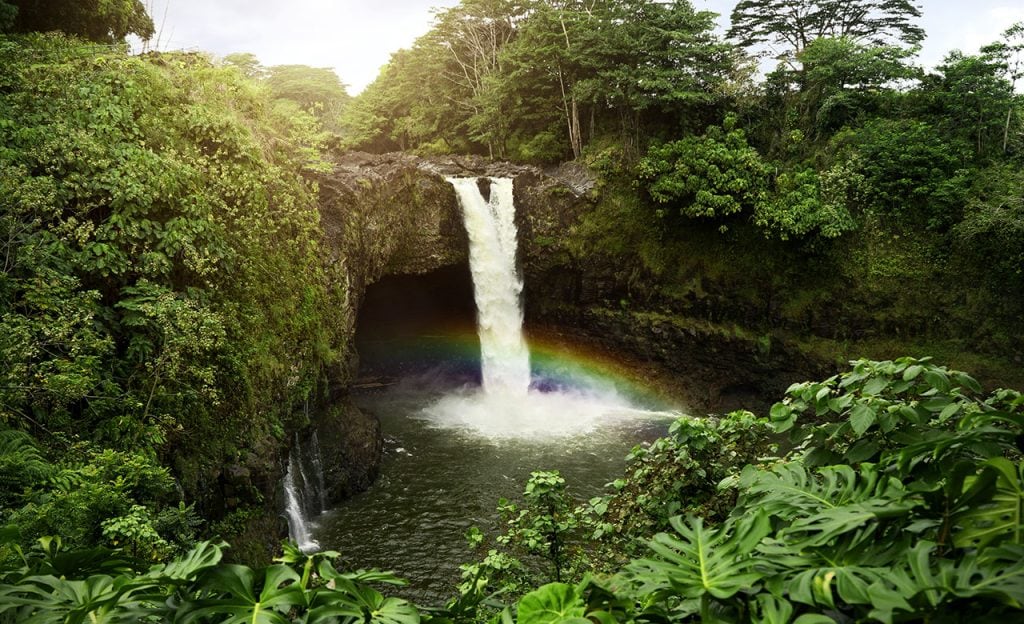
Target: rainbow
(556,360)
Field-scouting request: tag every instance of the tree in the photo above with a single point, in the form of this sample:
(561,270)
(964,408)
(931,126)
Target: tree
(1011,51)
(247,63)
(711,176)
(841,81)
(316,90)
(657,58)
(467,42)
(103,21)
(914,172)
(793,24)
(968,97)
(621,58)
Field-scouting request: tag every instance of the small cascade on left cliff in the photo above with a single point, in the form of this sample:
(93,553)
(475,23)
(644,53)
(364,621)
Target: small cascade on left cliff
(304,491)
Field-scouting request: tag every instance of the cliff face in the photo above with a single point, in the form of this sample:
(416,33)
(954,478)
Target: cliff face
(389,215)
(590,297)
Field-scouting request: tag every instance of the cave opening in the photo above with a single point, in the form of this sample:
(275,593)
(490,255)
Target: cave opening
(411,324)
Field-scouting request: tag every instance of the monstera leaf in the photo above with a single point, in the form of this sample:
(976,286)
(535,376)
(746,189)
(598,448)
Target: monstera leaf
(827,503)
(327,571)
(927,584)
(354,602)
(202,557)
(1002,517)
(233,596)
(703,561)
(48,599)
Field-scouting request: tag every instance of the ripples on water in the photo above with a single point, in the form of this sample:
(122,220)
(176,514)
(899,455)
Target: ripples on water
(444,470)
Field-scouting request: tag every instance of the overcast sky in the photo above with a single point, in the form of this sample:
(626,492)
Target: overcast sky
(356,37)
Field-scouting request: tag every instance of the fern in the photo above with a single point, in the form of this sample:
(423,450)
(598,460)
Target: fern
(21,465)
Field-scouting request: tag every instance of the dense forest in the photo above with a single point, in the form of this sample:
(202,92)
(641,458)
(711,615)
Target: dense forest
(167,306)
(847,193)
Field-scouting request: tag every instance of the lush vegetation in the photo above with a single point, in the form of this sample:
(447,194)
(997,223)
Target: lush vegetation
(166,303)
(848,194)
(901,500)
(164,299)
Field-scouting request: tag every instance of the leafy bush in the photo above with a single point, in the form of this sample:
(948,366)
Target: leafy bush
(53,585)
(920,520)
(110,498)
(913,173)
(900,501)
(676,474)
(711,176)
(161,256)
(719,176)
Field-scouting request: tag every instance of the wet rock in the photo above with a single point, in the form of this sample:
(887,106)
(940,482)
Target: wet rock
(484,185)
(351,445)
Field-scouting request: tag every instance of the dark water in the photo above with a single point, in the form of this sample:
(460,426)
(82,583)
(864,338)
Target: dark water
(438,482)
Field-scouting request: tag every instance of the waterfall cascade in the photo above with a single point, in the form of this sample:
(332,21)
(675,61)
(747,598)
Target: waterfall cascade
(304,491)
(490,223)
(508,406)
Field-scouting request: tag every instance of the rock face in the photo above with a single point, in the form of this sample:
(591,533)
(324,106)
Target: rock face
(353,444)
(720,368)
(388,215)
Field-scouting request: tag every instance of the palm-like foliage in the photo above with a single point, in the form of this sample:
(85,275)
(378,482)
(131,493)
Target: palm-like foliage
(195,589)
(930,529)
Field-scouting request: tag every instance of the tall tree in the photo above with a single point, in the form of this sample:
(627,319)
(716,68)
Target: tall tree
(841,81)
(793,24)
(467,41)
(247,63)
(968,96)
(1011,50)
(623,57)
(103,21)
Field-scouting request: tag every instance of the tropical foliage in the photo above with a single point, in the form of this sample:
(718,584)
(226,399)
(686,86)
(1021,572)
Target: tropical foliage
(901,500)
(145,204)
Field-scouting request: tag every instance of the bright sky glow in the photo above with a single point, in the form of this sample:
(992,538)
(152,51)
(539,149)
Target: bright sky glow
(356,37)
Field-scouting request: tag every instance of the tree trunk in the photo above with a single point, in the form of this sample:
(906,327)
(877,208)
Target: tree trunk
(1006,128)
(574,129)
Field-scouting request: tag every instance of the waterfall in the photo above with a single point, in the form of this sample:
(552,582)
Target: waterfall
(303,492)
(510,404)
(490,223)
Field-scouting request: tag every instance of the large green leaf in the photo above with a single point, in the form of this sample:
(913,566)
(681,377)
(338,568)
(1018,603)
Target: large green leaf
(703,561)
(827,503)
(925,583)
(351,599)
(1002,517)
(48,599)
(768,609)
(203,556)
(233,596)
(554,603)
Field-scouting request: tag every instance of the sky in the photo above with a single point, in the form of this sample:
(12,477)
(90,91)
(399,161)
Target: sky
(357,37)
